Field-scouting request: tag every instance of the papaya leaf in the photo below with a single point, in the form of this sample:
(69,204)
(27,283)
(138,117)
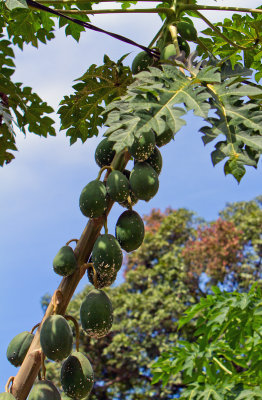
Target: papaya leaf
(11,4)
(82,112)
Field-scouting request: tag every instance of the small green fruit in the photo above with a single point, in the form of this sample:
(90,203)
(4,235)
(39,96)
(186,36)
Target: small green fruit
(187,31)
(93,199)
(6,396)
(168,52)
(130,230)
(18,347)
(107,254)
(44,390)
(155,160)
(65,262)
(56,338)
(164,137)
(104,153)
(77,377)
(144,181)
(117,186)
(96,314)
(141,62)
(143,146)
(103,278)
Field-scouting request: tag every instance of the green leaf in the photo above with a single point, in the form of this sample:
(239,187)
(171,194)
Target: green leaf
(11,4)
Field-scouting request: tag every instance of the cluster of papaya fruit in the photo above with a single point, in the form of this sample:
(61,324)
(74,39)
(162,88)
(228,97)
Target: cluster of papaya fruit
(96,312)
(165,44)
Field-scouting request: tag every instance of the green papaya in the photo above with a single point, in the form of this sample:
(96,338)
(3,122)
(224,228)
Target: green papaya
(130,230)
(117,186)
(103,278)
(144,181)
(107,254)
(164,137)
(168,52)
(93,199)
(65,262)
(96,314)
(56,338)
(143,146)
(77,377)
(6,396)
(133,198)
(155,160)
(18,347)
(104,153)
(187,31)
(44,390)
(141,62)
(183,45)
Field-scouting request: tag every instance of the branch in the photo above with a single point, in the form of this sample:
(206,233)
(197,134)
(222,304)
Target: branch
(28,371)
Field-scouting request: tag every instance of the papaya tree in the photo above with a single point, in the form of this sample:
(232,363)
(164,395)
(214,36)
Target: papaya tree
(143,108)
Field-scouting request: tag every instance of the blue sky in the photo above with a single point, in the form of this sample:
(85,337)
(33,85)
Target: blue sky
(41,187)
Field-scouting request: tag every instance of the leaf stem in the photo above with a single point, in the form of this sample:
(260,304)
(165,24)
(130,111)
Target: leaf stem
(195,7)
(84,1)
(215,29)
(114,11)
(222,366)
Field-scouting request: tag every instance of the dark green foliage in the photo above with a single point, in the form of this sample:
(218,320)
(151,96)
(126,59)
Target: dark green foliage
(155,160)
(44,390)
(96,314)
(144,181)
(164,137)
(93,199)
(6,396)
(77,376)
(168,52)
(117,186)
(104,153)
(107,255)
(18,347)
(143,146)
(130,230)
(187,31)
(183,45)
(141,62)
(56,338)
(65,262)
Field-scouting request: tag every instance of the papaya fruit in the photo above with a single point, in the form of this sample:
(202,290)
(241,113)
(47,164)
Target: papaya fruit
(141,62)
(56,338)
(168,52)
(187,31)
(107,254)
(77,377)
(65,262)
(144,181)
(6,396)
(117,186)
(133,198)
(103,278)
(164,137)
(155,160)
(143,146)
(18,347)
(104,153)
(96,314)
(44,390)
(183,45)
(93,199)
(130,230)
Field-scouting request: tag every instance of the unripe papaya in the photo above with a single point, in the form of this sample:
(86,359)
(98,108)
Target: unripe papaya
(155,160)
(187,31)
(65,262)
(144,181)
(93,199)
(130,230)
(6,396)
(107,254)
(18,347)
(164,137)
(104,153)
(44,390)
(56,338)
(183,45)
(141,62)
(168,52)
(77,377)
(117,186)
(132,196)
(143,146)
(96,314)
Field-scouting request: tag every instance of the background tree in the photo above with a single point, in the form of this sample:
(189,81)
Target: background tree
(158,289)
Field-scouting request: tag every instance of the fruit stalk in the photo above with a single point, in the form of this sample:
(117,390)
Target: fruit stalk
(30,367)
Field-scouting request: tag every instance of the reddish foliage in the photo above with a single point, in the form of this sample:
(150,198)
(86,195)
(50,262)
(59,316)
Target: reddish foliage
(154,219)
(215,250)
